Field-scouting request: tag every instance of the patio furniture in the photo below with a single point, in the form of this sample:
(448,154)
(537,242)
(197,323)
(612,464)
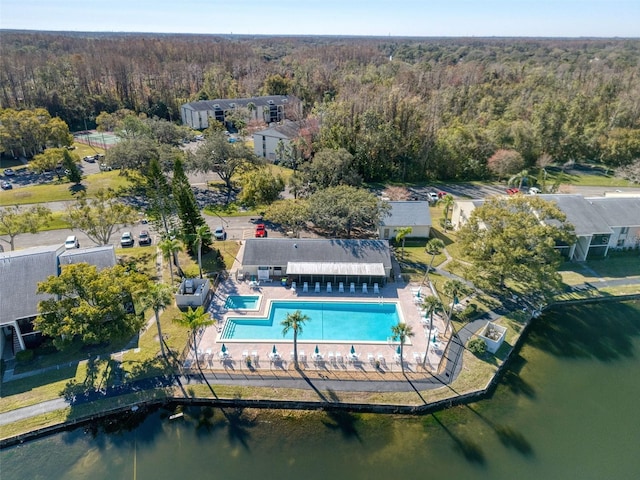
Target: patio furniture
(328,287)
(317,289)
(339,359)
(305,287)
(302,356)
(418,357)
(376,289)
(352,288)
(330,357)
(371,359)
(255,357)
(341,287)
(381,359)
(364,288)
(293,287)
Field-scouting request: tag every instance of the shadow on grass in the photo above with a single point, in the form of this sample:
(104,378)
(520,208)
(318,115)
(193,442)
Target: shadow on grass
(77,188)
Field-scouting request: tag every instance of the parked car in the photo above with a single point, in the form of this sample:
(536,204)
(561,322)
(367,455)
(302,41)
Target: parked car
(442,194)
(71,242)
(105,168)
(8,172)
(220,234)
(261,232)
(144,238)
(126,240)
(432,197)
(534,191)
(6,185)
(90,159)
(512,191)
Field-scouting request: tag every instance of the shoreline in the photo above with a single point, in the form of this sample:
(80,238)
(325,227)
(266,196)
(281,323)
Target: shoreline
(143,406)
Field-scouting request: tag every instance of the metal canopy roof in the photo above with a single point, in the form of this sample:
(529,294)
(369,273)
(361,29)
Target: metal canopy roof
(334,268)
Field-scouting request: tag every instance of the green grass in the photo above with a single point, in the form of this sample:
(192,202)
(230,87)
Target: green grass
(55,191)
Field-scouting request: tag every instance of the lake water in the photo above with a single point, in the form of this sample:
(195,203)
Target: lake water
(568,408)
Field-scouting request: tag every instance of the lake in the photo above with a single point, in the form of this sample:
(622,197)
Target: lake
(567,408)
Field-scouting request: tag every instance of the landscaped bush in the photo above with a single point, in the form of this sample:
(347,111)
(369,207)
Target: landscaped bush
(477,346)
(469,312)
(24,356)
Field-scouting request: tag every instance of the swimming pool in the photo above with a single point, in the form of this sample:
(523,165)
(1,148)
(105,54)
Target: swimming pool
(242,302)
(328,321)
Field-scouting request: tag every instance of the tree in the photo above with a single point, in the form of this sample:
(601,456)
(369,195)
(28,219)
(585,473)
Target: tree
(401,332)
(188,211)
(94,306)
(515,238)
(15,221)
(170,248)
(431,304)
(161,208)
(70,164)
(330,168)
(447,201)
(292,215)
(260,187)
(519,178)
(157,296)
(225,159)
(452,288)
(99,217)
(203,236)
(401,235)
(434,247)
(505,162)
(344,208)
(194,320)
(294,322)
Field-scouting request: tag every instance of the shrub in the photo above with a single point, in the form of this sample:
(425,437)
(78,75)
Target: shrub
(24,356)
(477,347)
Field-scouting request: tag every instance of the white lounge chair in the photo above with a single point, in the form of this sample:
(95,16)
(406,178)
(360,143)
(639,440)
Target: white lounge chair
(364,288)
(305,287)
(371,359)
(328,287)
(381,359)
(293,286)
(376,289)
(339,359)
(302,357)
(317,289)
(341,287)
(245,354)
(352,288)
(418,357)
(255,357)
(331,358)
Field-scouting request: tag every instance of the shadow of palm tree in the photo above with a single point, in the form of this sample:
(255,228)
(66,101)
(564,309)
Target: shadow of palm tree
(344,422)
(470,450)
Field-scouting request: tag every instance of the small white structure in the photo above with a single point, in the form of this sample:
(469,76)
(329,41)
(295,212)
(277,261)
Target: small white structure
(493,336)
(193,292)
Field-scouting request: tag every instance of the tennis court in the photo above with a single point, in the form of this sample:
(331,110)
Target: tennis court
(98,139)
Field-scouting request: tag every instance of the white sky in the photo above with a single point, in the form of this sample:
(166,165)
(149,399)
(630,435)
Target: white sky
(539,18)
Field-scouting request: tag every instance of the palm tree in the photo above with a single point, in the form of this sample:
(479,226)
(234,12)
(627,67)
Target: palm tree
(431,304)
(453,288)
(203,234)
(447,201)
(294,321)
(401,234)
(434,247)
(158,296)
(170,248)
(401,332)
(519,178)
(194,320)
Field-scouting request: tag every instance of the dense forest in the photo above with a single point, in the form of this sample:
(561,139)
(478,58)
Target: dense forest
(406,109)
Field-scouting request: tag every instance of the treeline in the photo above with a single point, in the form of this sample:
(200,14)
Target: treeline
(406,109)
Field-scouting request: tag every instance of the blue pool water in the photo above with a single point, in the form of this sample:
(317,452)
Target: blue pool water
(242,302)
(328,321)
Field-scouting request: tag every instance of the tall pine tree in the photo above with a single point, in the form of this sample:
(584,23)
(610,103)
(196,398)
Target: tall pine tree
(188,211)
(162,207)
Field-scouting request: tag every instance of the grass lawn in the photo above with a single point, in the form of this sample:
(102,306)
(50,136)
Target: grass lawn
(54,192)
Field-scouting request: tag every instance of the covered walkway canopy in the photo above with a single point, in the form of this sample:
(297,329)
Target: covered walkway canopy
(336,272)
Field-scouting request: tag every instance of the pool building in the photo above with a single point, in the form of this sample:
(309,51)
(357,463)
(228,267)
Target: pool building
(316,261)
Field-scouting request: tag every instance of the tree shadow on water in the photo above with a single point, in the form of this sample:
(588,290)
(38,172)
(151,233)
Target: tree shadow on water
(512,380)
(238,425)
(344,422)
(509,437)
(604,331)
(470,450)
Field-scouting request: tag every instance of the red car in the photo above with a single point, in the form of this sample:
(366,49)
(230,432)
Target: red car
(261,232)
(512,191)
(442,194)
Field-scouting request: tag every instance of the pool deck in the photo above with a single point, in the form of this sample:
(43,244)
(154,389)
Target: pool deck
(372,357)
